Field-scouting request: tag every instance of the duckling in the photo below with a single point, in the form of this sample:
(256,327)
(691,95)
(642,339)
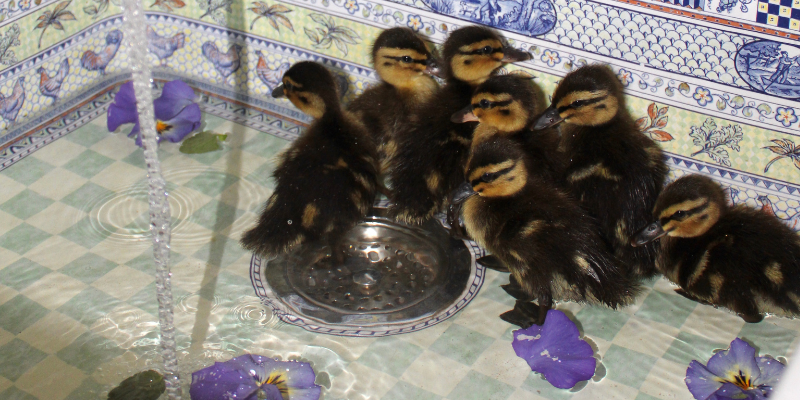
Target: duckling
(430,157)
(506,105)
(544,237)
(326,181)
(404,64)
(735,257)
(613,169)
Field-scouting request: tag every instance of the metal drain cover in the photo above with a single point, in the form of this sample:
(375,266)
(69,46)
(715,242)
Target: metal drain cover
(381,274)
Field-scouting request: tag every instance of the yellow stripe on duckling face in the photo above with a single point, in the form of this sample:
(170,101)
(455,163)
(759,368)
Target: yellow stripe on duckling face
(476,68)
(588,108)
(506,184)
(490,169)
(683,206)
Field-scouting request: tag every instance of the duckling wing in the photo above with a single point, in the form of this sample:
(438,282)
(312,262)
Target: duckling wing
(430,158)
(618,181)
(322,189)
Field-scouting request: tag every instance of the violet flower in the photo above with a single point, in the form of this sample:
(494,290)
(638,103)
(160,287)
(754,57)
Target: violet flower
(735,373)
(176,113)
(252,377)
(556,350)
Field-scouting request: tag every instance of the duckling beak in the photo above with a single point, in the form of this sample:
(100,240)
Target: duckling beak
(548,119)
(278,92)
(464,115)
(432,68)
(648,234)
(462,193)
(512,55)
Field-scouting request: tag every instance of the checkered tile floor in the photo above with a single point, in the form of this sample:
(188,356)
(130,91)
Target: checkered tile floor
(78,310)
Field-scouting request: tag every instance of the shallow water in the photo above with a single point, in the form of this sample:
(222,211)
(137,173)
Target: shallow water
(78,311)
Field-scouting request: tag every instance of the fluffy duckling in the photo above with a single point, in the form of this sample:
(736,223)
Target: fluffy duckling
(735,257)
(613,169)
(547,241)
(326,181)
(403,62)
(430,157)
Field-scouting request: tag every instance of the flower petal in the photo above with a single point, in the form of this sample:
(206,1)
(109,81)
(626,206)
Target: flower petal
(223,381)
(740,357)
(182,124)
(556,350)
(771,371)
(175,96)
(123,109)
(731,391)
(701,382)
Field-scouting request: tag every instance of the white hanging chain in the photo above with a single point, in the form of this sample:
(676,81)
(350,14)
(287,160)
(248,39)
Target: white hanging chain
(135,34)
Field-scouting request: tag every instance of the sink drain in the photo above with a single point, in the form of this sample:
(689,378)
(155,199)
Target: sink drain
(381,277)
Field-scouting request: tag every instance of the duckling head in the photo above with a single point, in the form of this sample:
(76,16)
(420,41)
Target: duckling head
(310,87)
(401,57)
(472,53)
(504,103)
(589,96)
(495,169)
(686,208)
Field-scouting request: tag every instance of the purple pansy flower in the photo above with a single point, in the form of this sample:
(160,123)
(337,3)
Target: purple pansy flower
(176,113)
(248,376)
(556,350)
(735,373)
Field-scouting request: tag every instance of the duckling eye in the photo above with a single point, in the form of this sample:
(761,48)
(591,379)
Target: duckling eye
(484,103)
(407,59)
(487,50)
(679,214)
(487,177)
(287,85)
(578,103)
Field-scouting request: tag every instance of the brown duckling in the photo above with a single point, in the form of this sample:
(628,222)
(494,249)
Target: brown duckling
(613,169)
(736,257)
(544,237)
(430,157)
(403,62)
(327,179)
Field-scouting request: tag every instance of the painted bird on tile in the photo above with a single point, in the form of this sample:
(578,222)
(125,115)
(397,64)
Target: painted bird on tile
(50,85)
(164,47)
(11,104)
(225,63)
(270,77)
(99,61)
(168,5)
(769,208)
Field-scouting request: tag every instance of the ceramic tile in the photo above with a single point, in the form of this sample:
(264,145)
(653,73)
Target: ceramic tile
(89,389)
(606,390)
(88,305)
(501,363)
(125,325)
(26,204)
(536,384)
(668,384)
(645,336)
(23,238)
(666,308)
(123,282)
(778,342)
(484,317)
(57,184)
(19,313)
(435,373)
(407,391)
(51,379)
(5,337)
(56,218)
(687,347)
(7,293)
(425,338)
(29,173)
(54,290)
(121,251)
(88,164)
(626,366)
(86,196)
(22,273)
(390,355)
(59,152)
(601,322)
(18,357)
(115,147)
(119,175)
(10,186)
(478,386)
(13,393)
(5,384)
(89,351)
(85,233)
(88,268)
(522,394)
(8,222)
(461,344)
(40,334)
(7,257)
(55,252)
(369,384)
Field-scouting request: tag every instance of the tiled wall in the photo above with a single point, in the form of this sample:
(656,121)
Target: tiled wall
(708,78)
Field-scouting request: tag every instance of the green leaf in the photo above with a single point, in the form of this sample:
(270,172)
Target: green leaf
(91,10)
(147,385)
(709,125)
(203,142)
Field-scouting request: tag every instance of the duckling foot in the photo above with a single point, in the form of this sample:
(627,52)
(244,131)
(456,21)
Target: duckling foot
(492,262)
(516,292)
(692,297)
(523,315)
(752,318)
